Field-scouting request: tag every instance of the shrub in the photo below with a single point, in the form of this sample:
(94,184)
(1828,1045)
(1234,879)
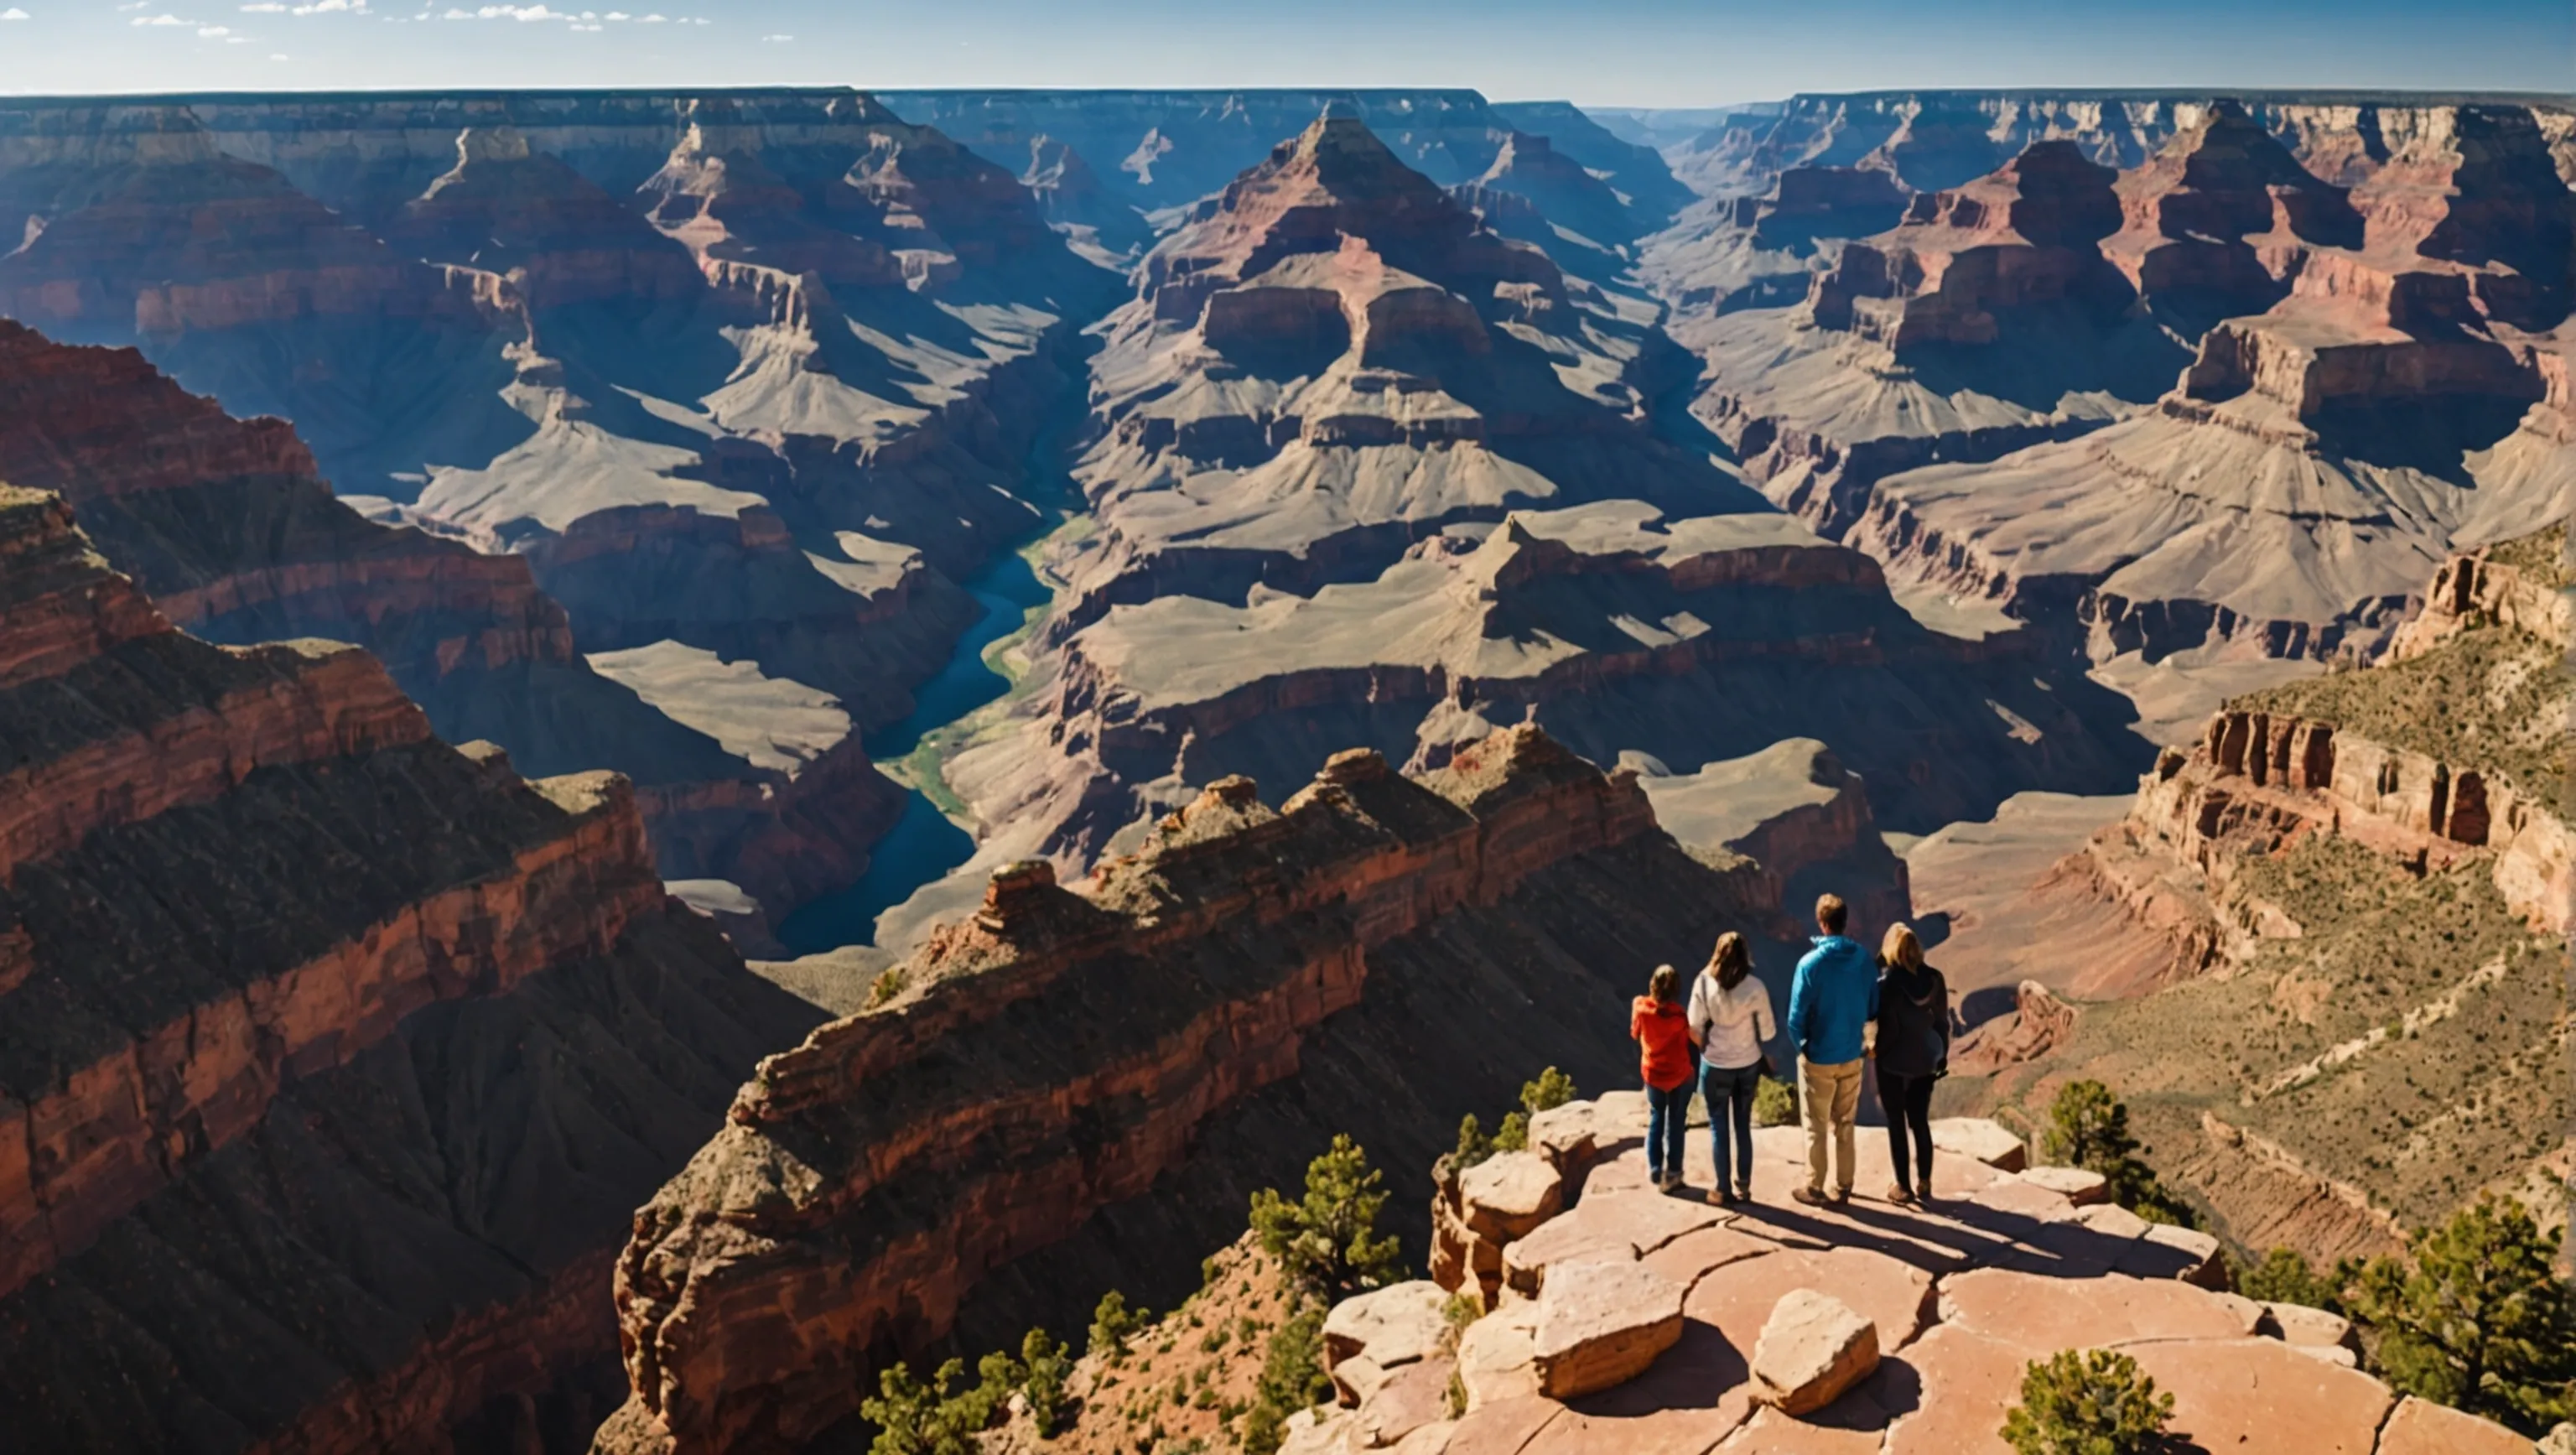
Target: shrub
(1112,1325)
(913,1418)
(1552,1089)
(1327,1240)
(887,985)
(2480,1320)
(1046,1366)
(2088,1127)
(2092,1402)
(1775,1103)
(1292,1379)
(1473,1145)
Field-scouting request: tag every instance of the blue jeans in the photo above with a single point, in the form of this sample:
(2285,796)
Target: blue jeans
(1667,1122)
(1730,1105)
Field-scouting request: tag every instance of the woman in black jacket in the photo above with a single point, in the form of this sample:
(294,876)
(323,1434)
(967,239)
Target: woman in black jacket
(1913,1052)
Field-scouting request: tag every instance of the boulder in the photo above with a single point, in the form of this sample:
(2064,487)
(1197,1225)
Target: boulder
(2301,1325)
(2167,1251)
(1601,1324)
(1412,1397)
(2080,1186)
(1981,1140)
(1509,1194)
(1811,1350)
(2040,1312)
(1367,1337)
(1623,1227)
(2421,1427)
(2260,1394)
(1496,1356)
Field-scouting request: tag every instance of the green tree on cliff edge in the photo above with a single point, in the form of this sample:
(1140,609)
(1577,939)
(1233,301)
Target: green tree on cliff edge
(2088,1127)
(1327,1241)
(2477,1317)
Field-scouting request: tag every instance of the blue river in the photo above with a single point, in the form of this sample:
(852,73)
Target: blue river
(923,844)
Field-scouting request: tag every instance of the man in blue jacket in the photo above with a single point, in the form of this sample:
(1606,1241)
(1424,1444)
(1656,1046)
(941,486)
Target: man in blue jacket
(1833,998)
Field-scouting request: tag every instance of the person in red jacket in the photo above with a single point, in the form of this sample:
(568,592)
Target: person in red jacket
(1661,1028)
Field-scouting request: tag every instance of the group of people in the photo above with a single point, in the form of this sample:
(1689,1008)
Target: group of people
(1712,1040)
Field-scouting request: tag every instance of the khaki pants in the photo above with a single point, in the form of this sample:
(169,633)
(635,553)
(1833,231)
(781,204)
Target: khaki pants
(1829,1095)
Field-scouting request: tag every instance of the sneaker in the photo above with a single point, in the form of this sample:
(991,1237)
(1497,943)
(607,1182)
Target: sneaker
(1841,1195)
(1901,1195)
(1744,1193)
(1717,1197)
(1808,1196)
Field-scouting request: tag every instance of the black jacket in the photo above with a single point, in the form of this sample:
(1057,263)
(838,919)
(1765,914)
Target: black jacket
(1913,1022)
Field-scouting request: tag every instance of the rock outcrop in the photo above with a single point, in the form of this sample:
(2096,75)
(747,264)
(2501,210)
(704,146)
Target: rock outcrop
(2346,894)
(336,1056)
(1241,948)
(1880,1328)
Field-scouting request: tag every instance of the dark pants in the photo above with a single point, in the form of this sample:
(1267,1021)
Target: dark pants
(1730,1109)
(1908,1100)
(1667,1122)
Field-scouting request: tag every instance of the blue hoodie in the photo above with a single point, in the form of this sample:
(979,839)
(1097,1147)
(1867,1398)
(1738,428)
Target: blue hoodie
(1834,995)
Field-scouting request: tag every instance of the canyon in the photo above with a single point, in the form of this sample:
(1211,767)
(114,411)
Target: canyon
(2331,975)
(1223,618)
(336,1056)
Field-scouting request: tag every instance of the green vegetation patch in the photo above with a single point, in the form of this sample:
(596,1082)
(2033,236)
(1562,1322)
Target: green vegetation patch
(2542,556)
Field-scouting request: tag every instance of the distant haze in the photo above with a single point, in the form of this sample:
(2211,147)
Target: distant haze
(1604,52)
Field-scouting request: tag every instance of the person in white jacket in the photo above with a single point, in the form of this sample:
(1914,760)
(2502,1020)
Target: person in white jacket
(1730,1018)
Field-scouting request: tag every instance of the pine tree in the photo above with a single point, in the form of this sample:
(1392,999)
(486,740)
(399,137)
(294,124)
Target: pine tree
(2477,1317)
(1327,1240)
(2093,1402)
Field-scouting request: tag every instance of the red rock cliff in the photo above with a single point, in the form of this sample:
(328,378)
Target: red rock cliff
(278,969)
(1044,1063)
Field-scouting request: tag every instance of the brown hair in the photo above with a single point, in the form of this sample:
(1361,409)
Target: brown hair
(1901,949)
(1666,985)
(1731,960)
(1831,913)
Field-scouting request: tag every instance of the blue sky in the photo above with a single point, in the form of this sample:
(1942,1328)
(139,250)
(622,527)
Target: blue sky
(1606,52)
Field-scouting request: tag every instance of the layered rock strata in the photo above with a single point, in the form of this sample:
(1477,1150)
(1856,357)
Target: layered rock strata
(2353,892)
(1241,948)
(280,971)
(1334,357)
(1674,645)
(1936,139)
(231,527)
(2363,424)
(1161,149)
(1868,1328)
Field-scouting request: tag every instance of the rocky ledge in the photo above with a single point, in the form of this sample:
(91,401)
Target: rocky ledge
(1634,1320)
(334,1057)
(1033,1071)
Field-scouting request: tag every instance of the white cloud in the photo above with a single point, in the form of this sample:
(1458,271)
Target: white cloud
(776,38)
(209,32)
(163,19)
(280,56)
(14,13)
(264,7)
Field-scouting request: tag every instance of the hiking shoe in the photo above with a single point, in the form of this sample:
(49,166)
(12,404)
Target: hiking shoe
(1901,1196)
(1841,1195)
(1717,1197)
(1808,1196)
